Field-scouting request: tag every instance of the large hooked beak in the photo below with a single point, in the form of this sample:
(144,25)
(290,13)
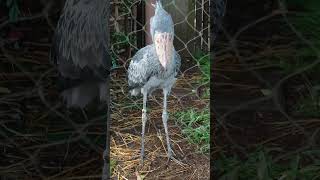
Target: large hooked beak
(164,47)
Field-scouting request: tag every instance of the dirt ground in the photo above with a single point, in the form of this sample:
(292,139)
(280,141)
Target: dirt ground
(42,141)
(126,133)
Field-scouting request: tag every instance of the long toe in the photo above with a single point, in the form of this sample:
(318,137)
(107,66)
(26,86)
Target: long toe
(176,161)
(170,152)
(170,157)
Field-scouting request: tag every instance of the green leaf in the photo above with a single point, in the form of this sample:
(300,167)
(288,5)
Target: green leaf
(262,167)
(294,167)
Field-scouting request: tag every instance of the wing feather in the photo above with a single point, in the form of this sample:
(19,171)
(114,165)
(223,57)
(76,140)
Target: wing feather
(178,62)
(142,66)
(79,42)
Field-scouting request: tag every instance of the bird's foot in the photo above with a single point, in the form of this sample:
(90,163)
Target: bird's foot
(176,161)
(171,155)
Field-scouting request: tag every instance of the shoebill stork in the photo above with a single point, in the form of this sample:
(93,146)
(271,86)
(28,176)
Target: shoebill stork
(80,52)
(155,67)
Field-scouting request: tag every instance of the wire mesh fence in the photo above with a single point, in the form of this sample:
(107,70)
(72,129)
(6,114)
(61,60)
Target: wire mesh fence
(188,104)
(189,97)
(40,137)
(262,100)
(265,103)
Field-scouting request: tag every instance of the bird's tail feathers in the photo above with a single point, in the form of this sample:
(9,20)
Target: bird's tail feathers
(83,94)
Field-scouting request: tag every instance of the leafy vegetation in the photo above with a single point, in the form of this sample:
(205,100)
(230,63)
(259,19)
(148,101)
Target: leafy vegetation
(196,123)
(203,61)
(113,164)
(261,165)
(126,5)
(119,41)
(309,106)
(305,18)
(196,127)
(307,22)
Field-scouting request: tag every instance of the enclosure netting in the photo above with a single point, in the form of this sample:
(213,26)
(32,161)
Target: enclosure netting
(254,103)
(188,99)
(40,138)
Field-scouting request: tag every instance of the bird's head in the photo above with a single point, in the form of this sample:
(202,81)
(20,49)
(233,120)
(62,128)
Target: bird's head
(161,21)
(164,47)
(161,28)
(157,6)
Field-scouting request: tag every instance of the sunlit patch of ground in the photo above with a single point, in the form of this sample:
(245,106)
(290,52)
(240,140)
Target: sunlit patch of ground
(126,133)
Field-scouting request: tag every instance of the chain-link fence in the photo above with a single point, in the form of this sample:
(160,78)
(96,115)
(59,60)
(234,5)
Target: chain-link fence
(265,101)
(40,137)
(188,104)
(265,91)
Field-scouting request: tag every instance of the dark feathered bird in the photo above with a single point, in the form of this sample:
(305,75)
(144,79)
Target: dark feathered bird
(79,50)
(80,53)
(155,67)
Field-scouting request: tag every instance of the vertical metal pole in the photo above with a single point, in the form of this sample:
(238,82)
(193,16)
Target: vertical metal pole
(140,24)
(149,14)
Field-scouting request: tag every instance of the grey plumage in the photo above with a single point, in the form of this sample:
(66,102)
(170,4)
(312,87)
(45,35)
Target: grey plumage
(80,34)
(145,66)
(161,21)
(155,67)
(80,50)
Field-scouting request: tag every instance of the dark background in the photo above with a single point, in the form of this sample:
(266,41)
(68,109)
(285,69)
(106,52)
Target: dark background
(41,137)
(265,103)
(265,91)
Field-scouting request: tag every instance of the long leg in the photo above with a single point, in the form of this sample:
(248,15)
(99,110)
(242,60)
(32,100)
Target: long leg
(165,121)
(144,120)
